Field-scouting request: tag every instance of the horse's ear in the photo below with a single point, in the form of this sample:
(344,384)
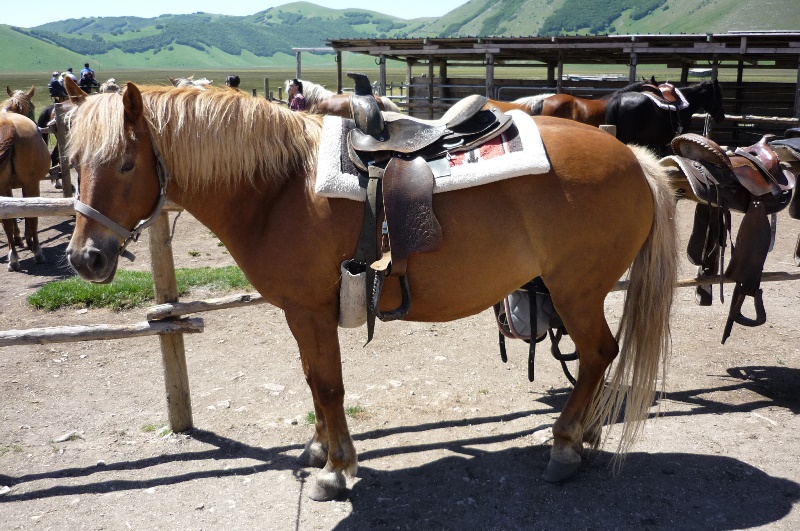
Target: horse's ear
(31,91)
(174,83)
(134,106)
(76,95)
(8,89)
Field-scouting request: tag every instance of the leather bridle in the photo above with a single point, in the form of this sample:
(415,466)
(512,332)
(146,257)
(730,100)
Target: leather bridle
(133,234)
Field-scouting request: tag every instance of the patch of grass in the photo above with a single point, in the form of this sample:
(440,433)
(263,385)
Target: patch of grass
(131,288)
(356,412)
(6,449)
(194,253)
(155,426)
(311,418)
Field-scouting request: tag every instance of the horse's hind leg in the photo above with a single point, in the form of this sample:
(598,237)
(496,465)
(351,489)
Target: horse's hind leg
(32,225)
(13,258)
(316,333)
(597,348)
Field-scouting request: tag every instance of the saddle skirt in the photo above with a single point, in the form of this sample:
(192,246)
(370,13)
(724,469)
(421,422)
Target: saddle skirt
(678,104)
(516,152)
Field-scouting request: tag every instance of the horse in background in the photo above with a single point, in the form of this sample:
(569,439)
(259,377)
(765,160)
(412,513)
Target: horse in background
(19,102)
(644,119)
(320,100)
(596,209)
(190,82)
(584,110)
(24,161)
(109,86)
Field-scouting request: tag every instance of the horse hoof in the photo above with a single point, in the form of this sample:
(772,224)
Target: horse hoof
(328,486)
(38,257)
(13,266)
(559,471)
(313,455)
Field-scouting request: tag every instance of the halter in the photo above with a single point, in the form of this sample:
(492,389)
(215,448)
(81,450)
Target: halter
(131,235)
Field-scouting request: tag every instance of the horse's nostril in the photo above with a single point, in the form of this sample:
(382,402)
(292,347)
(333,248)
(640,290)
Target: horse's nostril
(95,260)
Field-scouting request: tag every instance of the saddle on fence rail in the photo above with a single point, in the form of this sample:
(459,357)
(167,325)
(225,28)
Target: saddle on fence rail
(749,180)
(403,156)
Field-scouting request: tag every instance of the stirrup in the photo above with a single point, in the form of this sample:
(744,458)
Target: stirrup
(735,314)
(399,312)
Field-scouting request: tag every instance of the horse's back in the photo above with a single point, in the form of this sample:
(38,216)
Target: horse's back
(589,215)
(20,139)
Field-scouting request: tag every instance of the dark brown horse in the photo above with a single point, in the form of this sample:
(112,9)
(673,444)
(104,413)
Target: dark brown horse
(586,111)
(602,208)
(641,120)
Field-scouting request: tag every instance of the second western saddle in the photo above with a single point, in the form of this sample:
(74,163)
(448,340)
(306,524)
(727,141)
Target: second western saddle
(749,180)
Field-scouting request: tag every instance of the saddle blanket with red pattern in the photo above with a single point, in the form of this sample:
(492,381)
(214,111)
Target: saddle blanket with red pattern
(516,152)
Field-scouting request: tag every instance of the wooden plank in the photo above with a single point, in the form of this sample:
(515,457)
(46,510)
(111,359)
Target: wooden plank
(773,276)
(177,309)
(72,334)
(21,207)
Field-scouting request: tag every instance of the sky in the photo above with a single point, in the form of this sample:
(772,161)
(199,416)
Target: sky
(44,11)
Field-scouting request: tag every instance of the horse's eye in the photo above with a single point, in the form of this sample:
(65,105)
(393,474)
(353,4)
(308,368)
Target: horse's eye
(126,167)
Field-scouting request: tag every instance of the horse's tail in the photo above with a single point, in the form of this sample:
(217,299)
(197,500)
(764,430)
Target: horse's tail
(644,329)
(536,108)
(7,137)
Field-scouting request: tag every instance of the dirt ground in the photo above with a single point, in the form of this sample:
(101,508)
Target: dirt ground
(449,437)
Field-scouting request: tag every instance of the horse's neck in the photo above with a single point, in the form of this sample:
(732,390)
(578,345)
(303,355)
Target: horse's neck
(698,97)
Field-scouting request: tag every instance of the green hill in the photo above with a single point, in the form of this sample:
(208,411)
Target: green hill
(203,40)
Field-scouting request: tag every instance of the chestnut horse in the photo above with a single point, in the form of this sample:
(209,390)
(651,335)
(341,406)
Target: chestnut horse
(320,100)
(600,209)
(19,102)
(24,161)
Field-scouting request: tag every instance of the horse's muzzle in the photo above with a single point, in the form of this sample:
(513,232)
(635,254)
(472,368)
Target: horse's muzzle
(93,264)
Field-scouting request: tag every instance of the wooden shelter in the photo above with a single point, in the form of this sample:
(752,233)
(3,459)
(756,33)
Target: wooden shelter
(756,106)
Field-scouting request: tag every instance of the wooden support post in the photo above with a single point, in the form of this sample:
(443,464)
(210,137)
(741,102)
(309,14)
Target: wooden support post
(382,75)
(490,76)
(338,72)
(684,73)
(443,79)
(299,68)
(632,69)
(173,354)
(61,139)
(559,75)
(797,94)
(267,93)
(430,88)
(551,74)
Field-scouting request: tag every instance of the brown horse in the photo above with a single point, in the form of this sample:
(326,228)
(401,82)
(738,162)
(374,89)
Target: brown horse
(24,161)
(583,110)
(19,102)
(601,207)
(320,100)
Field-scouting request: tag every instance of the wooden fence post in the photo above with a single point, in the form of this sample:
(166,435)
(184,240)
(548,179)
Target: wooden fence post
(61,139)
(173,354)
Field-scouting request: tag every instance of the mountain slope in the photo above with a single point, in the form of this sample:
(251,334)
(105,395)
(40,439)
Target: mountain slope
(210,40)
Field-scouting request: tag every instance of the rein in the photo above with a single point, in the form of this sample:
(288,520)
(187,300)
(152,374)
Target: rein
(133,234)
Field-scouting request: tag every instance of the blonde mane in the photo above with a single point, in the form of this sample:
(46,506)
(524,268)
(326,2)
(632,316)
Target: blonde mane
(212,137)
(18,102)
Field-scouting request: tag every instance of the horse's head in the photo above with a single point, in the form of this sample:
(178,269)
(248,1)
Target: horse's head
(713,104)
(20,102)
(118,182)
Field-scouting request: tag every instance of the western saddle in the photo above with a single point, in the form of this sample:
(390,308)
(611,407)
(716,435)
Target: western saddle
(402,157)
(664,91)
(749,180)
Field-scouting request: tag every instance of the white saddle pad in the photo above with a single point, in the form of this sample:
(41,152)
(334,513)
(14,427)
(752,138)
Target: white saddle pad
(518,151)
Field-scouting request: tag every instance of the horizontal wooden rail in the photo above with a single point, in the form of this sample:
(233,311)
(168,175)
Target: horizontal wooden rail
(71,334)
(18,207)
(176,309)
(773,276)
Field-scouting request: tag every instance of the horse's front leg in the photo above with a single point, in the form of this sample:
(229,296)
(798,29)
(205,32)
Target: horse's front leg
(317,337)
